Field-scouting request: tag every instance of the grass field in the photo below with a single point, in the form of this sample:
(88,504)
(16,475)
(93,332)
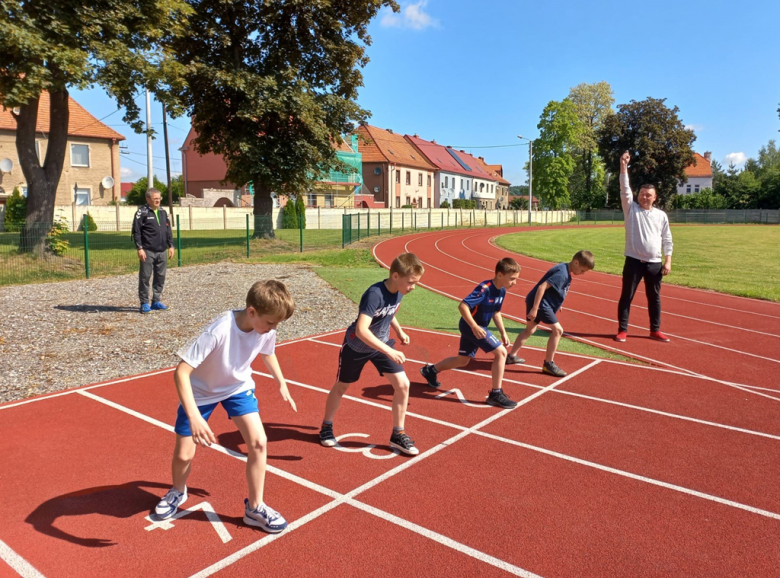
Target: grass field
(428,310)
(738,259)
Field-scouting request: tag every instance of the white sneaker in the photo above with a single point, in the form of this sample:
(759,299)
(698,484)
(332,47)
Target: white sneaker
(264,517)
(170,503)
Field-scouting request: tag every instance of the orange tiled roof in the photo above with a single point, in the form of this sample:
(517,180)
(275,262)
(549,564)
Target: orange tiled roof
(377,145)
(494,170)
(80,122)
(700,167)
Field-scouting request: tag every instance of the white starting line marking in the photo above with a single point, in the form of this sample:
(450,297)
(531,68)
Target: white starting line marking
(206,508)
(17,563)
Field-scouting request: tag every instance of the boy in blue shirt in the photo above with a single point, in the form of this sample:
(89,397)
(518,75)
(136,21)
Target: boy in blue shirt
(368,339)
(544,301)
(476,311)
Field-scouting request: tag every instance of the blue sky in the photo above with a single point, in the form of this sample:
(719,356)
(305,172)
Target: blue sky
(476,74)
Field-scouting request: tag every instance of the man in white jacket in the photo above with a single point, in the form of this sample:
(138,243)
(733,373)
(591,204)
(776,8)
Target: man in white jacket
(648,252)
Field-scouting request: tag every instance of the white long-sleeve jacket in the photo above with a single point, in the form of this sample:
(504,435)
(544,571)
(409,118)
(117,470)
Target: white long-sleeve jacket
(648,237)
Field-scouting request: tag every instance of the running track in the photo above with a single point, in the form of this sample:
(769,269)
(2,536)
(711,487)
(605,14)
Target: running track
(616,470)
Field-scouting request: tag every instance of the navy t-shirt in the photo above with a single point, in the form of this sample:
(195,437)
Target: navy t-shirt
(381,305)
(559,279)
(484,302)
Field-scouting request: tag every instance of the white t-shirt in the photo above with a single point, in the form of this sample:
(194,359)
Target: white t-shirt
(222,356)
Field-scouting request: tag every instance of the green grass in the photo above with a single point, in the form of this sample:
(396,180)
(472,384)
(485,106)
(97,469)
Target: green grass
(738,259)
(428,310)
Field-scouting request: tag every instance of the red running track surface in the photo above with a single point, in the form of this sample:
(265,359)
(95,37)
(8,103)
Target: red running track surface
(617,470)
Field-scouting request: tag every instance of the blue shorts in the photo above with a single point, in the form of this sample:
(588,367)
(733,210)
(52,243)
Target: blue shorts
(236,405)
(545,314)
(351,363)
(469,344)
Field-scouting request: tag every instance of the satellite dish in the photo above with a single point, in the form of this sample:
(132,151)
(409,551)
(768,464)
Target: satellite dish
(107,182)
(376,189)
(6,165)
(16,110)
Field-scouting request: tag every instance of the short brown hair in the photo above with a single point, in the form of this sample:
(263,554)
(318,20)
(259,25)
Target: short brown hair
(507,266)
(271,297)
(648,186)
(585,258)
(407,264)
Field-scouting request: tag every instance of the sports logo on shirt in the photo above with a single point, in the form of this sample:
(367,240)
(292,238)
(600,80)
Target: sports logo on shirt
(388,310)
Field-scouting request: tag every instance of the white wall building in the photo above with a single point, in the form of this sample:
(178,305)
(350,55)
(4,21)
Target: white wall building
(699,175)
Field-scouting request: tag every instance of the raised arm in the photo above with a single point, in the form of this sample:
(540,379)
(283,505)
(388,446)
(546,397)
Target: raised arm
(626,196)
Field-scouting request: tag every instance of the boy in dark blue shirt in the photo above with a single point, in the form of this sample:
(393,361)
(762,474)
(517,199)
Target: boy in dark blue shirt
(476,311)
(368,339)
(543,302)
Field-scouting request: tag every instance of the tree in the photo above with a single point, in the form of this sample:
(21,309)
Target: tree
(271,85)
(592,103)
(53,45)
(300,210)
(15,210)
(705,199)
(659,144)
(137,195)
(560,130)
(518,203)
(289,216)
(445,204)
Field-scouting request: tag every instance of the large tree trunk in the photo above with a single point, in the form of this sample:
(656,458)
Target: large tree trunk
(42,181)
(263,212)
(588,173)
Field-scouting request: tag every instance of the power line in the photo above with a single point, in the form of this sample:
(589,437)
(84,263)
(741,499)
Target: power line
(126,152)
(489,147)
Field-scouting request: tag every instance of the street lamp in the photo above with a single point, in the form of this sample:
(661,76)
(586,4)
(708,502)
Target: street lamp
(530,173)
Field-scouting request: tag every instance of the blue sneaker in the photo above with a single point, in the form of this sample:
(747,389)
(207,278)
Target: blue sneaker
(157,306)
(145,308)
(264,517)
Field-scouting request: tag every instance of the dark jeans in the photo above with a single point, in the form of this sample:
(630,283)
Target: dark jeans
(157,263)
(634,271)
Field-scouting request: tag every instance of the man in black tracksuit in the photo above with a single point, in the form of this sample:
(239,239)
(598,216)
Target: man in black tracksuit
(152,235)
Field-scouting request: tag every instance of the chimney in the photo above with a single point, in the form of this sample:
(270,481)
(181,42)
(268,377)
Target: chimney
(483,158)
(416,136)
(708,156)
(390,130)
(434,141)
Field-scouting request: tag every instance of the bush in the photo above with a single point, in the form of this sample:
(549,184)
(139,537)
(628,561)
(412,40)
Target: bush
(300,211)
(407,206)
(464,204)
(15,212)
(55,240)
(445,204)
(91,224)
(704,199)
(289,216)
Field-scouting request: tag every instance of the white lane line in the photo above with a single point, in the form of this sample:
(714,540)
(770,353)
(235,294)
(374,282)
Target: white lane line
(557,383)
(17,563)
(463,243)
(564,392)
(625,474)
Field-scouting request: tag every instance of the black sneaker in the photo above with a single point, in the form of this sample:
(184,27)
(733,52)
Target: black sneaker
(514,359)
(326,436)
(550,368)
(429,373)
(403,442)
(500,399)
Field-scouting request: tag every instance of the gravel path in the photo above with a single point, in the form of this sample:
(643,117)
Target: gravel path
(59,335)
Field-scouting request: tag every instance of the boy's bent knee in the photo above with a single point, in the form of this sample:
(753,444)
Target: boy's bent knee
(340,387)
(500,352)
(257,445)
(557,330)
(463,360)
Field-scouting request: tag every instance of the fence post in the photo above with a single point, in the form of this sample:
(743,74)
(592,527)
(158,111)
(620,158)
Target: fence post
(178,239)
(471,219)
(85,224)
(391,220)
(300,226)
(403,221)
(379,224)
(247,235)
(415,220)
(358,216)
(190,207)
(613,217)
(343,230)
(224,217)
(117,218)
(578,217)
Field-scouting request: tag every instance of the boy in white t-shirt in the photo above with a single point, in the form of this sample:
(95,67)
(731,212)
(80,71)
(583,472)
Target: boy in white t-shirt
(215,369)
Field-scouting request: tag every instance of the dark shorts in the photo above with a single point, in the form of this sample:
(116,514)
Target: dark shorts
(544,315)
(469,344)
(242,403)
(351,363)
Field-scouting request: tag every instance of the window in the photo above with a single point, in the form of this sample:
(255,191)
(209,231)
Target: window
(398,202)
(397,176)
(378,171)
(419,203)
(81,196)
(328,200)
(461,184)
(429,180)
(429,202)
(419,179)
(696,188)
(688,189)
(312,200)
(408,200)
(79,155)
(408,177)
(481,187)
(276,200)
(24,190)
(468,184)
(446,183)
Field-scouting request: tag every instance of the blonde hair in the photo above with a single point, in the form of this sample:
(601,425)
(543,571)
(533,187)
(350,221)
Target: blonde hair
(271,297)
(585,258)
(407,264)
(507,266)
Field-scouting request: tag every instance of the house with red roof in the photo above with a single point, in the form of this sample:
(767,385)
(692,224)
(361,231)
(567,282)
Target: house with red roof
(699,174)
(396,172)
(502,185)
(91,171)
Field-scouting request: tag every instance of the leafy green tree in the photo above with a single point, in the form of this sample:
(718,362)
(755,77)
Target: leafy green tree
(15,210)
(705,199)
(137,195)
(518,203)
(300,210)
(659,144)
(582,198)
(56,45)
(272,84)
(91,224)
(559,133)
(445,204)
(289,216)
(592,103)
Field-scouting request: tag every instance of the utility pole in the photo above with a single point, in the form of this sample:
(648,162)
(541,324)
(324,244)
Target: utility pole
(149,168)
(167,160)
(530,177)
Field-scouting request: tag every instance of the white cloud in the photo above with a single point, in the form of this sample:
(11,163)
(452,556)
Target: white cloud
(412,17)
(734,158)
(694,127)
(125,172)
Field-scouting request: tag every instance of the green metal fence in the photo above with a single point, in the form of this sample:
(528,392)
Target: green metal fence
(688,216)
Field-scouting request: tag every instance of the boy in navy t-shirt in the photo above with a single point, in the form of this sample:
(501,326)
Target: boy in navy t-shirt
(476,311)
(368,339)
(543,302)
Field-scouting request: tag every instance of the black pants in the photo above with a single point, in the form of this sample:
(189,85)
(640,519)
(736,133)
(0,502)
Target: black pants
(635,270)
(156,262)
